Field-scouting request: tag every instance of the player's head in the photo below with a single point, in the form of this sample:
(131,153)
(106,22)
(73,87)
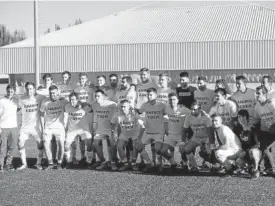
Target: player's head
(173,99)
(30,88)
(83,78)
(195,108)
(267,82)
(221,83)
(243,117)
(101,80)
(74,98)
(184,79)
(53,91)
(10,89)
(261,94)
(241,82)
(99,95)
(151,94)
(202,82)
(126,81)
(144,74)
(113,80)
(47,79)
(216,120)
(220,94)
(163,80)
(125,106)
(66,76)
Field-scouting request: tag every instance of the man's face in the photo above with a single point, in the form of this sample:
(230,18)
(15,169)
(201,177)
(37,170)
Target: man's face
(99,96)
(65,78)
(54,94)
(173,101)
(240,84)
(151,96)
(242,120)
(100,81)
(124,84)
(48,81)
(125,107)
(144,76)
(184,81)
(201,84)
(10,92)
(195,110)
(265,83)
(260,96)
(216,122)
(219,97)
(30,90)
(219,85)
(113,81)
(83,79)
(73,101)
(163,81)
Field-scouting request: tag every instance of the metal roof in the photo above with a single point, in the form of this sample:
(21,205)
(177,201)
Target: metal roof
(164,25)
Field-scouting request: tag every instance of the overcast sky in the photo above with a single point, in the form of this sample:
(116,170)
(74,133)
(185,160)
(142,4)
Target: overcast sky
(19,15)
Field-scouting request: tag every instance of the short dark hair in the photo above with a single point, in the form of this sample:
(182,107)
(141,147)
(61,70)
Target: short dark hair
(152,89)
(163,75)
(100,91)
(195,102)
(29,83)
(269,78)
(47,75)
(128,79)
(262,88)
(241,77)
(244,113)
(74,94)
(81,74)
(144,69)
(221,91)
(203,78)
(173,94)
(124,101)
(113,75)
(101,75)
(184,74)
(11,86)
(225,85)
(53,87)
(216,115)
(67,72)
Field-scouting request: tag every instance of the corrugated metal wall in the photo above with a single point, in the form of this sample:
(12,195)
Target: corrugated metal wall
(131,57)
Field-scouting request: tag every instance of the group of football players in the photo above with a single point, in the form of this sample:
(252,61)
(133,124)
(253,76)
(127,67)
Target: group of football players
(140,125)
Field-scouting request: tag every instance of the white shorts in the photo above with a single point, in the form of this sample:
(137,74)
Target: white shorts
(223,154)
(71,135)
(172,140)
(25,134)
(151,138)
(59,134)
(200,140)
(105,135)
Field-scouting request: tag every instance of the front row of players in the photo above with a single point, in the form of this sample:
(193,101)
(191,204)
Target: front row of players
(130,134)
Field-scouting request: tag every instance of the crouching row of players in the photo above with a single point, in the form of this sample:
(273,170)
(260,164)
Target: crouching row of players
(155,125)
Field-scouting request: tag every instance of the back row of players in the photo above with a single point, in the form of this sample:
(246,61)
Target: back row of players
(130,117)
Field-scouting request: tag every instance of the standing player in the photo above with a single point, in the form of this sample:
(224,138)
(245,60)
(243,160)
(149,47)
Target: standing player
(176,117)
(227,109)
(163,89)
(131,127)
(8,127)
(31,124)
(48,81)
(111,92)
(244,97)
(199,123)
(66,87)
(103,111)
(121,94)
(204,96)
(154,126)
(52,118)
(267,83)
(185,91)
(76,124)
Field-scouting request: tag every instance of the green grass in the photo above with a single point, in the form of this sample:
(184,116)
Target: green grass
(87,187)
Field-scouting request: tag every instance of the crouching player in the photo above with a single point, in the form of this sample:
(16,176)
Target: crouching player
(250,145)
(131,127)
(31,124)
(76,124)
(199,123)
(52,119)
(176,117)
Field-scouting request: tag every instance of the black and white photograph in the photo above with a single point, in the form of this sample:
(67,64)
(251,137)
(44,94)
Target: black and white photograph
(137,103)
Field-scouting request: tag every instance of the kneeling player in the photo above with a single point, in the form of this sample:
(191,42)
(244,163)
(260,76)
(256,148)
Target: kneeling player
(31,124)
(176,117)
(131,127)
(77,124)
(199,123)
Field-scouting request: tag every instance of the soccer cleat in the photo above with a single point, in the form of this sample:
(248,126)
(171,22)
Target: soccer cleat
(69,165)
(113,166)
(124,167)
(255,175)
(74,161)
(83,162)
(50,167)
(22,167)
(160,168)
(102,166)
(135,167)
(9,167)
(38,167)
(193,169)
(58,166)
(147,168)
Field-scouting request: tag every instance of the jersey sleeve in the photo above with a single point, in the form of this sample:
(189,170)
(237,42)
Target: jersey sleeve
(187,122)
(43,107)
(212,111)
(208,121)
(142,108)
(233,109)
(114,119)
